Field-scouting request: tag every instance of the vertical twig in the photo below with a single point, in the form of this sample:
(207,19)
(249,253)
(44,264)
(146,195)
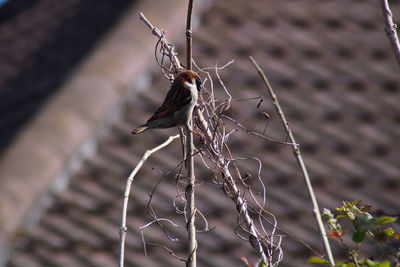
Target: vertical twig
(299,158)
(191,227)
(391,29)
(124,229)
(189,36)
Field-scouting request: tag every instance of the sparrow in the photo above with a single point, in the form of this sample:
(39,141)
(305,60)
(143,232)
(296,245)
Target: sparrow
(177,108)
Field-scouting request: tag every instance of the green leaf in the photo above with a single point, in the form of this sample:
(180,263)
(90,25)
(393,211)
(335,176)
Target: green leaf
(389,231)
(384,264)
(377,263)
(364,222)
(358,236)
(385,219)
(318,260)
(262,263)
(344,264)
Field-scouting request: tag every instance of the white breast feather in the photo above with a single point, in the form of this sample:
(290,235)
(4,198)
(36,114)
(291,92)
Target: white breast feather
(193,90)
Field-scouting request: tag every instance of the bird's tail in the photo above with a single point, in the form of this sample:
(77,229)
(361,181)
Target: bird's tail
(140,129)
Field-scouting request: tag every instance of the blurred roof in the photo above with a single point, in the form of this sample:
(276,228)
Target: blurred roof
(335,74)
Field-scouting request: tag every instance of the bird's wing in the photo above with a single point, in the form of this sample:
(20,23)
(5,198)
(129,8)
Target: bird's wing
(177,97)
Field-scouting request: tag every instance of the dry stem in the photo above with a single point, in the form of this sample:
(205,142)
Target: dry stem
(189,36)
(166,45)
(299,158)
(234,192)
(190,189)
(215,136)
(391,29)
(124,229)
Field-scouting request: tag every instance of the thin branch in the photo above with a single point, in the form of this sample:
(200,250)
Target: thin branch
(152,213)
(299,158)
(391,29)
(190,189)
(167,46)
(124,229)
(158,221)
(255,133)
(168,250)
(189,36)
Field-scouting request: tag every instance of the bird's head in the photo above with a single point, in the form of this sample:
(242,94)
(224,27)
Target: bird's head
(190,77)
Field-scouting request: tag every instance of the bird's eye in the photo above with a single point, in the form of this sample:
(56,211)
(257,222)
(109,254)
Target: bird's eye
(198,83)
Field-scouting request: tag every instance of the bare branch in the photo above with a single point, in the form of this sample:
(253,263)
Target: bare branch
(152,214)
(124,229)
(158,220)
(391,29)
(299,158)
(168,250)
(234,192)
(190,189)
(189,36)
(165,44)
(255,133)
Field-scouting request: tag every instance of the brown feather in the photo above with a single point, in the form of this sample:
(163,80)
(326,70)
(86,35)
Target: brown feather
(178,97)
(175,100)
